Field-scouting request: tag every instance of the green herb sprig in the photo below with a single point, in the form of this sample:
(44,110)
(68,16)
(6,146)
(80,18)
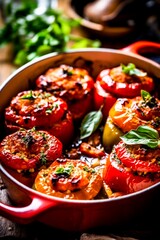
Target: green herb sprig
(131,69)
(144,135)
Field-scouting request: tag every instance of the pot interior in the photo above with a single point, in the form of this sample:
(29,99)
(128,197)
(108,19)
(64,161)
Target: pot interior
(92,60)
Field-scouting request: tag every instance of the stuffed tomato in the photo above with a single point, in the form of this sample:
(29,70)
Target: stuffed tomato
(29,150)
(36,108)
(121,81)
(134,163)
(127,114)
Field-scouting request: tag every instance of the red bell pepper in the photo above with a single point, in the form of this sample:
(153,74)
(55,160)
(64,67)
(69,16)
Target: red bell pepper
(122,179)
(133,163)
(125,83)
(72,84)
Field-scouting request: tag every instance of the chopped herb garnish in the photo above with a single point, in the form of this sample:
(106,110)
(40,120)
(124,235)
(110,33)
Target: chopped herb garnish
(64,170)
(43,159)
(87,169)
(145,95)
(28,140)
(131,69)
(149,100)
(49,110)
(67,72)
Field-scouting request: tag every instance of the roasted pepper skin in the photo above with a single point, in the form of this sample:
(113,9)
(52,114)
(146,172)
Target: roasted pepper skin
(103,99)
(130,113)
(113,83)
(122,178)
(121,84)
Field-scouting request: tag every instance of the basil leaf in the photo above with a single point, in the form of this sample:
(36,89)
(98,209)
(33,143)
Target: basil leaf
(132,70)
(90,123)
(144,135)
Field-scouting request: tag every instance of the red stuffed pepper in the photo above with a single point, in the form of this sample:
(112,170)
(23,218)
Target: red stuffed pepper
(134,163)
(122,81)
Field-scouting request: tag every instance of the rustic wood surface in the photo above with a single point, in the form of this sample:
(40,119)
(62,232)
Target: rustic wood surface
(147,230)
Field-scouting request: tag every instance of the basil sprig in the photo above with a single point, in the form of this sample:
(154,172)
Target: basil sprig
(90,123)
(64,170)
(144,135)
(131,69)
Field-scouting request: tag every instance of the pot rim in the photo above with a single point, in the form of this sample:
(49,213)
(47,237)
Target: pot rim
(80,50)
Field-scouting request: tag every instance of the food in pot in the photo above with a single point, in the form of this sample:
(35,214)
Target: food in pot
(40,109)
(70,179)
(103,99)
(121,81)
(76,169)
(134,163)
(24,152)
(72,84)
(127,114)
(29,149)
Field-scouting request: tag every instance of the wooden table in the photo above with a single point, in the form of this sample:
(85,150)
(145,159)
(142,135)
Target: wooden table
(37,231)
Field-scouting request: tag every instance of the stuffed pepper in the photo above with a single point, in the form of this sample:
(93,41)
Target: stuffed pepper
(24,152)
(134,163)
(72,84)
(125,81)
(69,179)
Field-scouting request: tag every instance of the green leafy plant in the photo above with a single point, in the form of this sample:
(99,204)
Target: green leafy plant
(34,35)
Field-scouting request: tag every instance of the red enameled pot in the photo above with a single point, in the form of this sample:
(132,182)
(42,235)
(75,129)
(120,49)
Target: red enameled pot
(77,215)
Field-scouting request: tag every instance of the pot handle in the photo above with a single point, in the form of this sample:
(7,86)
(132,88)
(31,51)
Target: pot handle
(141,47)
(26,214)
